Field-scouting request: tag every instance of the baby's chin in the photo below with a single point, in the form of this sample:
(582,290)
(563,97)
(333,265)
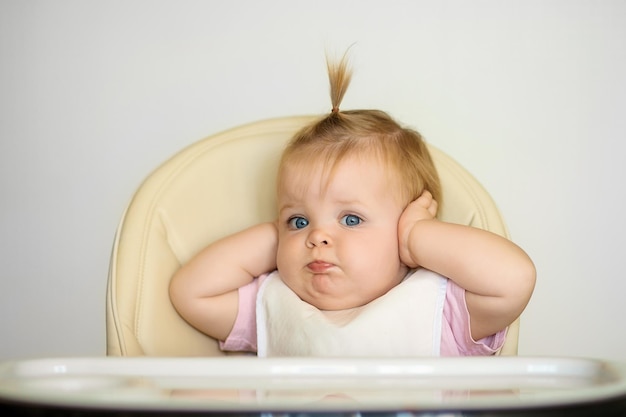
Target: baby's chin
(329,293)
(324,293)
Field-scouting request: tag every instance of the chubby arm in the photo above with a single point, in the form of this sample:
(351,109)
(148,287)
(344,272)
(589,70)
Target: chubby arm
(497,275)
(204,291)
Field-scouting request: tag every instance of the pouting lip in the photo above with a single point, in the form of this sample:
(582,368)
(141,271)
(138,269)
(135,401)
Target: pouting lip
(318,267)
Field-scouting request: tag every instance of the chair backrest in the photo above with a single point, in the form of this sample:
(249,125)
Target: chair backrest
(213,188)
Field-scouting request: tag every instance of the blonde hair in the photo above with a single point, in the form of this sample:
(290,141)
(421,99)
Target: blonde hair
(360,133)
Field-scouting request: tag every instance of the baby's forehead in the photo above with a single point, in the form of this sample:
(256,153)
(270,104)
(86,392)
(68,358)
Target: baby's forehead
(327,162)
(298,175)
(309,168)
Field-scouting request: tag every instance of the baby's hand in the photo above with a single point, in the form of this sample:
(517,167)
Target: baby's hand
(423,208)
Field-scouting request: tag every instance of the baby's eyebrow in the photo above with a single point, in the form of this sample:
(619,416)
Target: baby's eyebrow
(349,202)
(352,202)
(285,207)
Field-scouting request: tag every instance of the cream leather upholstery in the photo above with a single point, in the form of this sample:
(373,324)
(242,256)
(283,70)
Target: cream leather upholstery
(215,187)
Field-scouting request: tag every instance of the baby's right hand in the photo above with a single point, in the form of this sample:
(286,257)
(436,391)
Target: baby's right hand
(422,208)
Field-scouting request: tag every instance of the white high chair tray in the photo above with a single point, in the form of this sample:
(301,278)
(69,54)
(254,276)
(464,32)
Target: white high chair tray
(249,384)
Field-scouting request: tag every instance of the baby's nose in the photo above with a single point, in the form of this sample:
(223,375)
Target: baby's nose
(317,238)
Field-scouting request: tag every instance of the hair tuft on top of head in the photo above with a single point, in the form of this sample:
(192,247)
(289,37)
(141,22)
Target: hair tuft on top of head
(339,76)
(373,134)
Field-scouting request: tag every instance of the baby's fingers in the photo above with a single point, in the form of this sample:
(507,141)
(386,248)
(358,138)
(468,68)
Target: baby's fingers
(432,209)
(426,200)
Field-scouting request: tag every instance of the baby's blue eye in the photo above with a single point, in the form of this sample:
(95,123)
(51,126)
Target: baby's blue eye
(298,222)
(351,220)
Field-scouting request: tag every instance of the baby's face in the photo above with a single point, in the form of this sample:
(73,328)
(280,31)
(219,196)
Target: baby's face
(338,245)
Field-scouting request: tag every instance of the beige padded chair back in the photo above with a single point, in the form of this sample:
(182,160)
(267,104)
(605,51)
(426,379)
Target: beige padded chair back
(215,187)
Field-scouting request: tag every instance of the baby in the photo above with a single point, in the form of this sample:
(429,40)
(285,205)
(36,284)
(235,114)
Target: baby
(357,205)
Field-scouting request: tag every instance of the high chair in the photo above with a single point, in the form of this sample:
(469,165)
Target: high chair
(214,187)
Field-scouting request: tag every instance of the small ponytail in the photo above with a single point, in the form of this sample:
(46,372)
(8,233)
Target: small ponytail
(338,135)
(339,76)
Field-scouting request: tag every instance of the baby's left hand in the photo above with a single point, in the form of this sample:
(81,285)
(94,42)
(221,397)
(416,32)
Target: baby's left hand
(423,208)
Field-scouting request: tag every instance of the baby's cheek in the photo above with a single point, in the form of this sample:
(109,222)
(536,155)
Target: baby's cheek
(280,263)
(285,262)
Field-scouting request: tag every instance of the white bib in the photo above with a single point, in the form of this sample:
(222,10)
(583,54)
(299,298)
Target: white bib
(406,321)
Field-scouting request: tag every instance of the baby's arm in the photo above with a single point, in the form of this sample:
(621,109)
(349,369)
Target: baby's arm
(204,291)
(497,275)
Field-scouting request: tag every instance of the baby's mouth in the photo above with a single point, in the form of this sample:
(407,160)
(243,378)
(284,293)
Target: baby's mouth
(319,267)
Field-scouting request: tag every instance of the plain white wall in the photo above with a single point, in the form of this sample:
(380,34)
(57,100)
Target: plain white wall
(529,95)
